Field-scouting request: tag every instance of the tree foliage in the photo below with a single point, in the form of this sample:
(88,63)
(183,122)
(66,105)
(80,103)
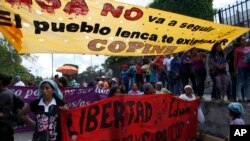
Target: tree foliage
(90,74)
(11,61)
(202,9)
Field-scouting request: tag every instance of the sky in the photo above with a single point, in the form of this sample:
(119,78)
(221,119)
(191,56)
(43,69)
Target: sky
(43,64)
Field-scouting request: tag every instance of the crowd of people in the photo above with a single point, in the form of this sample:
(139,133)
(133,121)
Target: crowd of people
(229,73)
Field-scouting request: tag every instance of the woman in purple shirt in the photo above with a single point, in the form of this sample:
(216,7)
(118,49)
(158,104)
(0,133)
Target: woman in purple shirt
(200,72)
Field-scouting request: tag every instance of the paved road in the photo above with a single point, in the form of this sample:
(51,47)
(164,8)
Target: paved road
(26,136)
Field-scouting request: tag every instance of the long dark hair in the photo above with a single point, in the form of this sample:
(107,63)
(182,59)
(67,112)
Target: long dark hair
(6,79)
(113,91)
(213,50)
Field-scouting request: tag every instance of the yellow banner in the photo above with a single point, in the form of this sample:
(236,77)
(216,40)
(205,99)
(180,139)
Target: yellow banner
(105,27)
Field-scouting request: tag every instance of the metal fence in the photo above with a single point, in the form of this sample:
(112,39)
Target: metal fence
(236,15)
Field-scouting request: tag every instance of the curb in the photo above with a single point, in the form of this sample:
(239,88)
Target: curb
(207,137)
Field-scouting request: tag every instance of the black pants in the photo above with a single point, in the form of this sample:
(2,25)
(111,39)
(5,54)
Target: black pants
(200,77)
(185,76)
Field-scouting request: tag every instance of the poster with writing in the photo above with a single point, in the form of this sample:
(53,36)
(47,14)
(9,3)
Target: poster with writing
(132,118)
(105,27)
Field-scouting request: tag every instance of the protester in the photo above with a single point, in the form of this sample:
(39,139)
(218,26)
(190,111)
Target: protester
(6,105)
(134,90)
(199,68)
(47,110)
(131,73)
(189,96)
(186,71)
(18,81)
(56,79)
(230,60)
(242,69)
(148,89)
(105,82)
(166,63)
(6,131)
(113,82)
(146,69)
(139,73)
(72,82)
(236,111)
(175,79)
(218,73)
(124,77)
(159,89)
(63,84)
(116,90)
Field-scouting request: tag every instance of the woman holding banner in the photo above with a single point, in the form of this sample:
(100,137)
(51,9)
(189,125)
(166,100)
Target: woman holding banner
(189,96)
(47,110)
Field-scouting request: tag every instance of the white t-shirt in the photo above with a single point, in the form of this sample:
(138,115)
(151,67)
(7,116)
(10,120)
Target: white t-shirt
(186,98)
(19,83)
(167,61)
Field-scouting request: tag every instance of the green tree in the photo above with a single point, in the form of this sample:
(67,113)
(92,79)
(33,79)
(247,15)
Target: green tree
(89,75)
(11,61)
(202,9)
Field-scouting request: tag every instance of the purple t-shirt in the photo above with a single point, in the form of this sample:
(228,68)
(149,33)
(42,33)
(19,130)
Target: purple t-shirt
(241,61)
(238,121)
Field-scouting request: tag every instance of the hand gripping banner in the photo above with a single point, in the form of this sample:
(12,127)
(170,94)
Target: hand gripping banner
(105,27)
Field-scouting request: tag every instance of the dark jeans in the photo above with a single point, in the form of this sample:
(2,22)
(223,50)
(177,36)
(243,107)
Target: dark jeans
(200,77)
(233,85)
(213,93)
(185,76)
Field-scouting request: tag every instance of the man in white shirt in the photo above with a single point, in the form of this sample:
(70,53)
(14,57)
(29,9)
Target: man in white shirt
(18,81)
(166,63)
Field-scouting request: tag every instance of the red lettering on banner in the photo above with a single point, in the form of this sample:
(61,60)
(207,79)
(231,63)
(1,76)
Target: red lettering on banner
(132,14)
(138,14)
(107,7)
(119,46)
(78,7)
(19,2)
(49,5)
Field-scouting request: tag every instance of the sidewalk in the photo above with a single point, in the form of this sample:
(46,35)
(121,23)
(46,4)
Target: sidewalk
(25,136)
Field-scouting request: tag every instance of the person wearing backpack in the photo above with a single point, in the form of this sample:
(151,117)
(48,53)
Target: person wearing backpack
(6,105)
